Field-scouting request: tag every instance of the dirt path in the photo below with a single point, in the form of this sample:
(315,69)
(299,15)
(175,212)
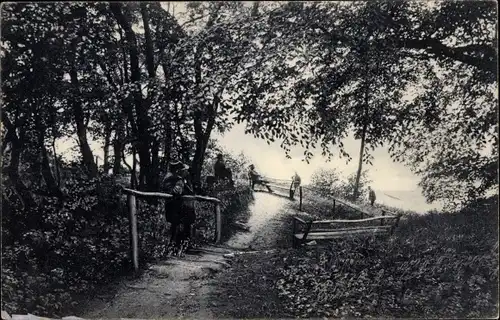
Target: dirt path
(181,287)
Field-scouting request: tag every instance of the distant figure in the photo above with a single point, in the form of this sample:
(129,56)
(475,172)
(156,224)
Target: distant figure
(295,184)
(178,211)
(371,196)
(296,180)
(255,178)
(221,172)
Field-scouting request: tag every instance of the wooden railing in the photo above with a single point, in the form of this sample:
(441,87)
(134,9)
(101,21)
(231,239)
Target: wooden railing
(272,182)
(132,208)
(336,200)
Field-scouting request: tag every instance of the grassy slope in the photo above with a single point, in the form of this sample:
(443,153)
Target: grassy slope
(437,265)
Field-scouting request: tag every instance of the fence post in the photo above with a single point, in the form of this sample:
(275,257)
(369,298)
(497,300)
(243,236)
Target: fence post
(218,223)
(382,220)
(300,195)
(333,207)
(134,241)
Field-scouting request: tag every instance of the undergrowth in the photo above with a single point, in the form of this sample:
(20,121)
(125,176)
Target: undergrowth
(440,265)
(57,252)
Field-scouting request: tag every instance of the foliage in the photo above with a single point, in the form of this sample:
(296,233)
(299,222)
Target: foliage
(436,265)
(327,182)
(74,247)
(395,75)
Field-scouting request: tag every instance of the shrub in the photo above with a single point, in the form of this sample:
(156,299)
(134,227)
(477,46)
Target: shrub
(58,250)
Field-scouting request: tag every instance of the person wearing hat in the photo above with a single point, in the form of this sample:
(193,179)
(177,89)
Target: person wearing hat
(255,178)
(177,210)
(221,172)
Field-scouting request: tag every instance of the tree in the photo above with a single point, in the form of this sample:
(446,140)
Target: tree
(411,42)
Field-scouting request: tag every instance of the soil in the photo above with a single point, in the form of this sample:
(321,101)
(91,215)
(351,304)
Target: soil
(195,286)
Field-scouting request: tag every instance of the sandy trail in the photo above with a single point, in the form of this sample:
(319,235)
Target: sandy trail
(181,287)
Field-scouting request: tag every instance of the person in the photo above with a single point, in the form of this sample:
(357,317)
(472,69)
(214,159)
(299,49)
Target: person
(296,180)
(221,172)
(177,210)
(371,196)
(255,178)
(295,184)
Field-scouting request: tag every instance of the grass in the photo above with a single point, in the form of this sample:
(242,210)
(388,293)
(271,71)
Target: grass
(439,265)
(435,266)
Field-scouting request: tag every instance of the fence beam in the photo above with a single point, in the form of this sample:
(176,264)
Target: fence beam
(134,240)
(218,223)
(300,195)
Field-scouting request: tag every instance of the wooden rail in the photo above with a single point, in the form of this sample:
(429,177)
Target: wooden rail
(327,231)
(346,203)
(132,205)
(271,182)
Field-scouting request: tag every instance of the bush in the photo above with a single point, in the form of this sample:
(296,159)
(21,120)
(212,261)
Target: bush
(436,265)
(59,250)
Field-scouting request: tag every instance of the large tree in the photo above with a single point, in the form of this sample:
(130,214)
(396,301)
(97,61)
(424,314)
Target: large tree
(428,66)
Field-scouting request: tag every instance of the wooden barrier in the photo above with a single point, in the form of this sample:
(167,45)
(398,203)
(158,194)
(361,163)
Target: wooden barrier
(325,230)
(132,205)
(336,201)
(300,195)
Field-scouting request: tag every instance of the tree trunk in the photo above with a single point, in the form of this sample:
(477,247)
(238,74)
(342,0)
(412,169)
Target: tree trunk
(167,156)
(49,179)
(17,143)
(362,148)
(56,163)
(149,42)
(118,146)
(142,137)
(155,164)
(202,138)
(133,178)
(107,144)
(81,130)
(360,165)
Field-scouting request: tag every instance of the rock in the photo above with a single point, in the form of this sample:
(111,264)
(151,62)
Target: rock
(312,243)
(5,315)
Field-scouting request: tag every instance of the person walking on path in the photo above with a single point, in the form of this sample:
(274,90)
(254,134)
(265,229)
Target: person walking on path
(256,178)
(177,210)
(371,196)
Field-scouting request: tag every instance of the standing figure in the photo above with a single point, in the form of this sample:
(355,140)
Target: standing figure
(295,184)
(371,196)
(221,172)
(177,210)
(255,178)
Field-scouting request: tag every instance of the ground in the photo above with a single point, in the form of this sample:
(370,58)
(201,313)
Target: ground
(211,284)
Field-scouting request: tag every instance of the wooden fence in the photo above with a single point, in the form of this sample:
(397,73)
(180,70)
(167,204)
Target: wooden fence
(274,183)
(132,208)
(336,201)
